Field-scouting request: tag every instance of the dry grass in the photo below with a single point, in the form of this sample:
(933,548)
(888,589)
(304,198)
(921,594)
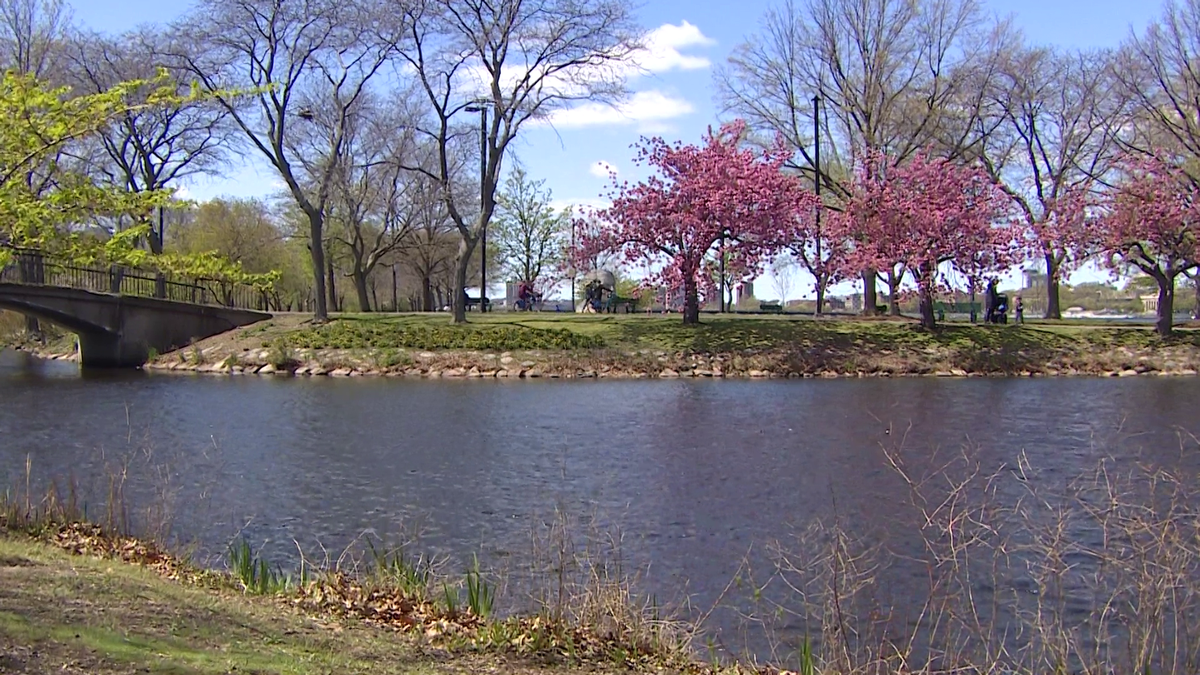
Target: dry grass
(1016,573)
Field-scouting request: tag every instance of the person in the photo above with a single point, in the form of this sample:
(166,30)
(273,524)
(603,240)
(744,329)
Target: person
(990,300)
(1019,308)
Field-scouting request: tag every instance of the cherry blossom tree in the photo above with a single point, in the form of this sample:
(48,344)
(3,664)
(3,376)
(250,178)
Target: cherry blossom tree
(718,192)
(1152,223)
(925,213)
(816,239)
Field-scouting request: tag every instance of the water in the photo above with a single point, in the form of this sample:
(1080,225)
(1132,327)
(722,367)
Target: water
(695,474)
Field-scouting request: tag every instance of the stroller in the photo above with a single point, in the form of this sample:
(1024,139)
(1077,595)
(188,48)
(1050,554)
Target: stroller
(1000,311)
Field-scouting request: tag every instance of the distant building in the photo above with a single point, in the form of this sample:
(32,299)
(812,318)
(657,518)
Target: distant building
(745,291)
(1150,303)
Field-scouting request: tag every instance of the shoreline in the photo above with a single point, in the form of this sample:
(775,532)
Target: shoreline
(472,365)
(612,347)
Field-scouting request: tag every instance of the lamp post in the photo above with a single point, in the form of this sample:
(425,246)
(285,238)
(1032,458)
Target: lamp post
(817,175)
(481,107)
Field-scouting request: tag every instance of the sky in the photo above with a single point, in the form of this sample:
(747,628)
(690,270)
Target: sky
(688,39)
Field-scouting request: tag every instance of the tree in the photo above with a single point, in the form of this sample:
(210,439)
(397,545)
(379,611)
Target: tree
(1062,117)
(892,76)
(298,70)
(248,231)
(783,271)
(149,148)
(816,242)
(702,195)
(524,60)
(926,213)
(530,235)
(374,198)
(32,33)
(1152,223)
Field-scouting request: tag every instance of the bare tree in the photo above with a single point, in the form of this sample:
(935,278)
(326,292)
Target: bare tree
(783,273)
(525,59)
(530,236)
(268,63)
(1157,72)
(31,33)
(375,199)
(1061,117)
(430,249)
(891,75)
(149,148)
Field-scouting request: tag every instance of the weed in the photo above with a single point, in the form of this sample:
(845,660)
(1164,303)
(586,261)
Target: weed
(480,594)
(255,573)
(450,600)
(412,576)
(282,356)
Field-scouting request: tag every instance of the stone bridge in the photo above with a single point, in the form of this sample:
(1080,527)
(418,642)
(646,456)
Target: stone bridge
(121,314)
(118,331)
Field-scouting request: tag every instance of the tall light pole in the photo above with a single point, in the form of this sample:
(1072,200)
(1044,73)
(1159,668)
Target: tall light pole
(817,176)
(481,107)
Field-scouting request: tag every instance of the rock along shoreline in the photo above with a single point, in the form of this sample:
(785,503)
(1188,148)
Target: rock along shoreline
(646,364)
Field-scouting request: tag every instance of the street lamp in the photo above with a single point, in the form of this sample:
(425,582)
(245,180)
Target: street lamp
(481,106)
(817,174)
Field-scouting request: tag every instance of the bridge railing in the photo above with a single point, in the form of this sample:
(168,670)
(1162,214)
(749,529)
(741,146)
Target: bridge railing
(37,268)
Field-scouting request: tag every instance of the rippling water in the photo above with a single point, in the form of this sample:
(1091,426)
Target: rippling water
(694,473)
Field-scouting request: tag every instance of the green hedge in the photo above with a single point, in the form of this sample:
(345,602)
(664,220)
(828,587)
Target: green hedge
(383,335)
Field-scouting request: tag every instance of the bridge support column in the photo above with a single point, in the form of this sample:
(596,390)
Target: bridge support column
(105,350)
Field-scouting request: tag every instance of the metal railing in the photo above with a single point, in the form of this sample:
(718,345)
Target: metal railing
(36,268)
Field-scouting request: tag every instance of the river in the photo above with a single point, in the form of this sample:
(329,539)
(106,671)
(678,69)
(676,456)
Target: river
(694,474)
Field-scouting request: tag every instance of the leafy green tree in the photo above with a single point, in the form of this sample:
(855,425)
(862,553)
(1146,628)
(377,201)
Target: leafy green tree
(530,234)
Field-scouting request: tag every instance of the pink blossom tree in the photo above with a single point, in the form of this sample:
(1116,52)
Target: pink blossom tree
(924,213)
(719,192)
(1152,223)
(816,238)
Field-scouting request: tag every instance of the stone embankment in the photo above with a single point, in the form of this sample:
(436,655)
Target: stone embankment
(1172,361)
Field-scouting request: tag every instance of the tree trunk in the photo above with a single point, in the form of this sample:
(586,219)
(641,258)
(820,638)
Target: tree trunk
(458,299)
(1196,285)
(1053,304)
(316,249)
(332,285)
(928,319)
(893,293)
(820,296)
(1166,306)
(870,298)
(360,289)
(426,293)
(691,301)
(971,301)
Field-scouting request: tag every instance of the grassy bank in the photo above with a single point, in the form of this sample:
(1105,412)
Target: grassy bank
(568,345)
(63,613)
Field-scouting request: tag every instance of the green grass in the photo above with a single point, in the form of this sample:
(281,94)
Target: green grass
(63,613)
(716,334)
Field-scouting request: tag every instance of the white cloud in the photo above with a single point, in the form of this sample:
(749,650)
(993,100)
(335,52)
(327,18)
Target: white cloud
(580,205)
(660,51)
(662,47)
(602,169)
(641,108)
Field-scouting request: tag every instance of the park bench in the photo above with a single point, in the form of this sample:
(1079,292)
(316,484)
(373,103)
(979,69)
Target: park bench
(774,307)
(944,308)
(474,302)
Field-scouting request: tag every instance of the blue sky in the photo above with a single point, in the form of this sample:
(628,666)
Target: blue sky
(675,100)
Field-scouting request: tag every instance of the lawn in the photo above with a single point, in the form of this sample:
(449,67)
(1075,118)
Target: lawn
(716,334)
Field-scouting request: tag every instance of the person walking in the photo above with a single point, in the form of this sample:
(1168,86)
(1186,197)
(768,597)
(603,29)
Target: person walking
(1020,310)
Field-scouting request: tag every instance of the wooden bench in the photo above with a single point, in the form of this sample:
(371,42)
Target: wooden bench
(773,307)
